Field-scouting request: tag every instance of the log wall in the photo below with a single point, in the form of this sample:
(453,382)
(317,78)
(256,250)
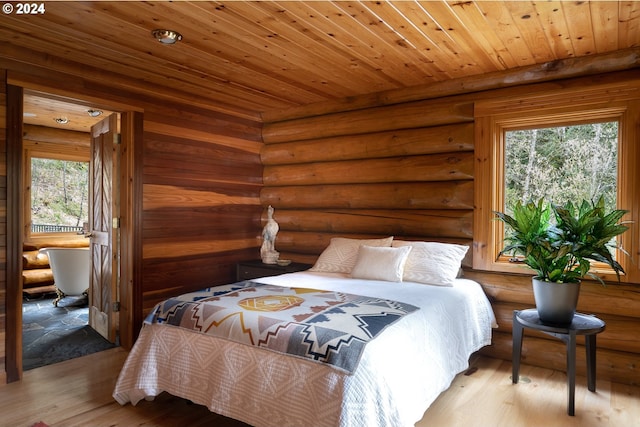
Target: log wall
(384,171)
(407,170)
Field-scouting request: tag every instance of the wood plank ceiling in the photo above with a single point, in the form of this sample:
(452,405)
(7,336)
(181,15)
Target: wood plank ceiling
(251,57)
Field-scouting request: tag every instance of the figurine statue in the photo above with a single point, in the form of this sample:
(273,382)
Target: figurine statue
(268,251)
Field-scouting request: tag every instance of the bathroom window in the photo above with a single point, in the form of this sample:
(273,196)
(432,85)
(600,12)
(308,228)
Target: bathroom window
(59,196)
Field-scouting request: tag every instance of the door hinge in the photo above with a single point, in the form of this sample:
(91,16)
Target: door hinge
(117,139)
(116,222)
(116,306)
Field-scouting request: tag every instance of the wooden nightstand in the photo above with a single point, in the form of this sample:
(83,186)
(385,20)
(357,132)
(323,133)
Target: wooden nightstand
(246,270)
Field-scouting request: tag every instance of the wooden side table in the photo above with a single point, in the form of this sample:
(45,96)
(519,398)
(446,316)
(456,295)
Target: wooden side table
(246,270)
(582,324)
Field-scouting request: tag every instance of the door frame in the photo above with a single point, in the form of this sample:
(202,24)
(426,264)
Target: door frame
(130,247)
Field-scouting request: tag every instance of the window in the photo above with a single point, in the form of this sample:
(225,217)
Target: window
(581,142)
(59,195)
(56,185)
(572,162)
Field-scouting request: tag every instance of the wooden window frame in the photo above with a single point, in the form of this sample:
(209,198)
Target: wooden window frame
(620,102)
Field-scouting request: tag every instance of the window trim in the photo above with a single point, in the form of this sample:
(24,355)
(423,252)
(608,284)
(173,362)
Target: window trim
(574,106)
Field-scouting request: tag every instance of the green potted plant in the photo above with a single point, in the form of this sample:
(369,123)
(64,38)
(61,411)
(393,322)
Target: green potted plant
(559,243)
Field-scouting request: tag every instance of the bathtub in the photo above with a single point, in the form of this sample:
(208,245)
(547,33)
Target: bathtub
(71,269)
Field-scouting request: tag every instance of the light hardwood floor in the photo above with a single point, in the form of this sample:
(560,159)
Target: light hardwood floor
(78,393)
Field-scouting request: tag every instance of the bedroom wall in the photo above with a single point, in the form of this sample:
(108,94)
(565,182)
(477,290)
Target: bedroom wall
(406,169)
(201,210)
(3,225)
(200,174)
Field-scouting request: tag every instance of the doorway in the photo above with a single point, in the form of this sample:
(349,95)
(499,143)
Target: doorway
(61,192)
(15,236)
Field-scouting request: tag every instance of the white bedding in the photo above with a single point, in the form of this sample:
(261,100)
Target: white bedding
(401,372)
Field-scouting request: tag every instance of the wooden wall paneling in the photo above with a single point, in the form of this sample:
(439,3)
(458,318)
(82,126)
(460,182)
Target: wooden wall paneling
(197,119)
(14,224)
(201,206)
(199,165)
(4,337)
(170,276)
(201,222)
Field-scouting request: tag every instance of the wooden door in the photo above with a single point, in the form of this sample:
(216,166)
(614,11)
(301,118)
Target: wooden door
(103,234)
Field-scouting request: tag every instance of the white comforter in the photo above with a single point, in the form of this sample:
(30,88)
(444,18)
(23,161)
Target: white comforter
(400,374)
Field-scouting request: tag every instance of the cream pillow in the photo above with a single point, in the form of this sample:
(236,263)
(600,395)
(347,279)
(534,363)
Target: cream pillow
(432,263)
(340,256)
(379,263)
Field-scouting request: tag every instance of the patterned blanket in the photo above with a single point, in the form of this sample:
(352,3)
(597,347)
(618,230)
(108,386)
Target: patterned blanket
(324,326)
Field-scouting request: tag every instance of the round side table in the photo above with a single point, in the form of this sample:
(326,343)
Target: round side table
(582,324)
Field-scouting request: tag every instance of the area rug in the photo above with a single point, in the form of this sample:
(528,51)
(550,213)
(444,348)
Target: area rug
(53,334)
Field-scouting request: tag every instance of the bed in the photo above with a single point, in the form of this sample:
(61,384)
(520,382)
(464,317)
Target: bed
(399,372)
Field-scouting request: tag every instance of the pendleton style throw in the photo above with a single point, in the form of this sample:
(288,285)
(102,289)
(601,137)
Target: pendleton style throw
(324,326)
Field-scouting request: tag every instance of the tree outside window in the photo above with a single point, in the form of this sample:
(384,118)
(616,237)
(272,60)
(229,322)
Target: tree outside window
(59,195)
(564,163)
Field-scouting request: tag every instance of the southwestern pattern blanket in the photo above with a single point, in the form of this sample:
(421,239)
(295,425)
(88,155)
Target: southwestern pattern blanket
(325,326)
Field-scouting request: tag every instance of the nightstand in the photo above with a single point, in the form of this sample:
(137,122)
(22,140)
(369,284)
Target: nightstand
(246,270)
(582,324)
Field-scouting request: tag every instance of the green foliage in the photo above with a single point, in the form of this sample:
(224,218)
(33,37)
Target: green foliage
(574,162)
(59,192)
(561,252)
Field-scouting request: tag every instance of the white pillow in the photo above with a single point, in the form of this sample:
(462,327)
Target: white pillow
(432,263)
(379,263)
(340,256)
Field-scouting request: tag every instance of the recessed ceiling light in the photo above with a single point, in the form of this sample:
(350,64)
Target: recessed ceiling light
(94,113)
(167,36)
(61,120)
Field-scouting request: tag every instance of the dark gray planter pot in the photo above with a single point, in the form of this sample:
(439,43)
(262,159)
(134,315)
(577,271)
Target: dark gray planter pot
(556,302)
